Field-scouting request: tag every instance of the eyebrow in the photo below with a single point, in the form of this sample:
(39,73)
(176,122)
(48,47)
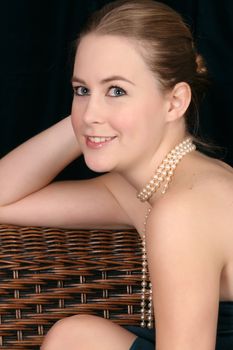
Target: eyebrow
(76,79)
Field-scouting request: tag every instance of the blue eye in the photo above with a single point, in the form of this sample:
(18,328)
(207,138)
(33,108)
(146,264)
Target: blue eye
(80,90)
(117,91)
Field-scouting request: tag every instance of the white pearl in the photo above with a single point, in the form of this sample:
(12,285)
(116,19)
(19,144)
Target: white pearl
(163,174)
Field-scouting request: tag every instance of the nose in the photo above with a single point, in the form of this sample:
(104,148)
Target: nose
(93,112)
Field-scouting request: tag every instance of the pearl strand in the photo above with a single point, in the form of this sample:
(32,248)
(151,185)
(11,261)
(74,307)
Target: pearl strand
(146,292)
(165,171)
(163,174)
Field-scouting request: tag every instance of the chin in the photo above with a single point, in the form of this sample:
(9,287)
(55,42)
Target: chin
(97,165)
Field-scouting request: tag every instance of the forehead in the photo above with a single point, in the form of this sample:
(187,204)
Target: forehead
(98,55)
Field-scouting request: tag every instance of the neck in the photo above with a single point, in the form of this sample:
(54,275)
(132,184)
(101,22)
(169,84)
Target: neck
(160,169)
(140,173)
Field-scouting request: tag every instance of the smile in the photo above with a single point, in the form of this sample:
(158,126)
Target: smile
(95,142)
(99,139)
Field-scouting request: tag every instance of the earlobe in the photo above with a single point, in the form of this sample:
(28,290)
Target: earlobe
(179,100)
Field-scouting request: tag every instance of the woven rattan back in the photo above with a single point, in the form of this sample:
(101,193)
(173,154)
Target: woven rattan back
(47,274)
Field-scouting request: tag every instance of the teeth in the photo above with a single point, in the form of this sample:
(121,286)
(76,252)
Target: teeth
(99,139)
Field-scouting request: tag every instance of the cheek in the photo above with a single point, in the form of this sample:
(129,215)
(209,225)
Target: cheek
(147,124)
(76,116)
(128,120)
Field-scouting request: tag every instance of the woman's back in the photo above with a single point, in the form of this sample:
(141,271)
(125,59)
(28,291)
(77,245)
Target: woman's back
(205,186)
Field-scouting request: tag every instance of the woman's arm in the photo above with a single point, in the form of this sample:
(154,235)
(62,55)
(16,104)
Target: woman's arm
(33,165)
(185,264)
(27,196)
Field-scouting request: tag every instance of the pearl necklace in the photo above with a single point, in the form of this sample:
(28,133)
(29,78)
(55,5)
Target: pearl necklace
(146,293)
(164,173)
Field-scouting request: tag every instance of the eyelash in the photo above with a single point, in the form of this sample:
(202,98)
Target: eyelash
(76,88)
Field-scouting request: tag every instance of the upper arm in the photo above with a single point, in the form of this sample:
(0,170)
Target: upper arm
(185,267)
(78,204)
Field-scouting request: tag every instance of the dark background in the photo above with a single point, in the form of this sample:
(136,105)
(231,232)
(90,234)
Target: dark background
(35,67)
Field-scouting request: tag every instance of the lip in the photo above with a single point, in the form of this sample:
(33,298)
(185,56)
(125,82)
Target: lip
(98,136)
(95,145)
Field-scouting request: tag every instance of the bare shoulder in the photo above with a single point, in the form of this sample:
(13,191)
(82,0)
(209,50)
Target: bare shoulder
(202,188)
(125,194)
(185,258)
(212,187)
(197,209)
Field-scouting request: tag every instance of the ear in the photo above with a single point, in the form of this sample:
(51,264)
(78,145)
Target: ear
(179,100)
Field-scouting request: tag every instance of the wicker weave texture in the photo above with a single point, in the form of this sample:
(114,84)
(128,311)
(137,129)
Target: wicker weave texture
(47,274)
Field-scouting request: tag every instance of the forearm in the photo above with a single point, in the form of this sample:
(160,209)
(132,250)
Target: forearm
(34,164)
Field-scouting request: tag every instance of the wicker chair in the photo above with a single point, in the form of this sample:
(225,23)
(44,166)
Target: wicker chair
(47,274)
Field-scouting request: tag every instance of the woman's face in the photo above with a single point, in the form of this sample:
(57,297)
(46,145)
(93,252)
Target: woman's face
(118,112)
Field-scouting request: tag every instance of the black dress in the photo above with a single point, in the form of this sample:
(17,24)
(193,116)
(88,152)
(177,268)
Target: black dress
(224,339)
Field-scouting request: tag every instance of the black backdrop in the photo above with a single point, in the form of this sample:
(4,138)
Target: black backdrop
(35,67)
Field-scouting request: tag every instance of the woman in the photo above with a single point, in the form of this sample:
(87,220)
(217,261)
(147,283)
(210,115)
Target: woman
(137,81)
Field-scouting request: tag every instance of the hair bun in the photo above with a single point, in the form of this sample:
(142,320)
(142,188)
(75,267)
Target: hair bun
(201,67)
